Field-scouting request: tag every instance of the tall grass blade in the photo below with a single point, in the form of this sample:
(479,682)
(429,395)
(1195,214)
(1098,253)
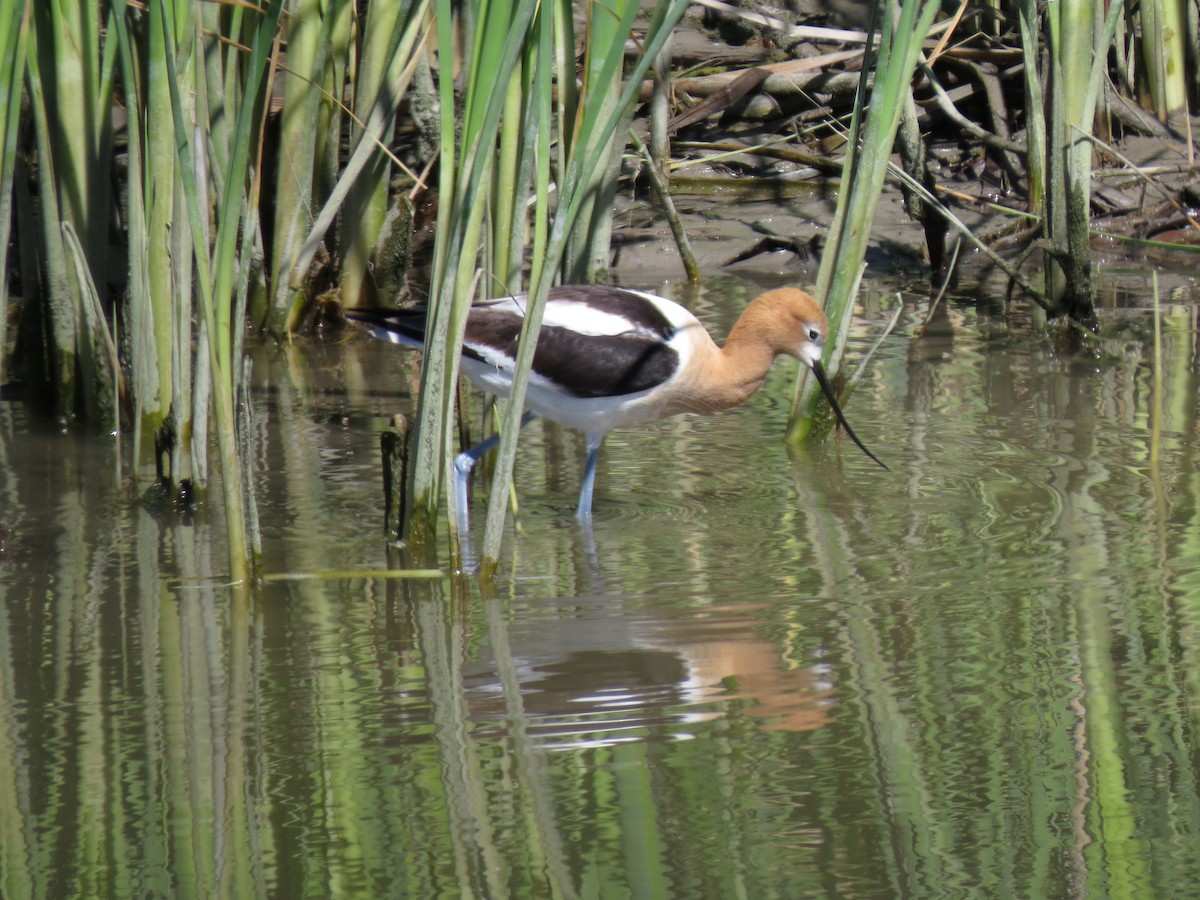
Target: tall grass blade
(391,48)
(217,267)
(360,195)
(499,30)
(14,39)
(159,292)
(70,79)
(585,258)
(1164,54)
(1027,20)
(308,33)
(872,136)
(1078,52)
(100,353)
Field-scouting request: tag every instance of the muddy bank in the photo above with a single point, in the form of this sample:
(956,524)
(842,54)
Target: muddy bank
(754,169)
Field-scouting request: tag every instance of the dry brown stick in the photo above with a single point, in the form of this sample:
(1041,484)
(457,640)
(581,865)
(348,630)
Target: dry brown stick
(727,96)
(690,266)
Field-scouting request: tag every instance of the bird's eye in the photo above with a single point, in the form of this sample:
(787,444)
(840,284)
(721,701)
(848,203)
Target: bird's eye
(814,335)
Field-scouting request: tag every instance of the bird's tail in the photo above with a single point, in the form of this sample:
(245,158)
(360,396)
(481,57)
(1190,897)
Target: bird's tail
(400,326)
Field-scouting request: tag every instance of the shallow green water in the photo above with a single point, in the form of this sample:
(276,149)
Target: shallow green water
(753,676)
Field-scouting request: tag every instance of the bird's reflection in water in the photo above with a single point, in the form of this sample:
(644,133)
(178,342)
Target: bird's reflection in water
(585,680)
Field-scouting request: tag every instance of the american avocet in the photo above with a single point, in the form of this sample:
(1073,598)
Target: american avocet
(608,357)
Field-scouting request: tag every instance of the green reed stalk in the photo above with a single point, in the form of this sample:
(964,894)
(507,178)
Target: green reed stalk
(586,255)
(1027,20)
(1164,54)
(70,78)
(217,267)
(14,38)
(362,184)
(872,137)
(539,77)
(169,259)
(308,116)
(366,205)
(1078,52)
(159,293)
(497,31)
(146,359)
(336,76)
(100,353)
(510,190)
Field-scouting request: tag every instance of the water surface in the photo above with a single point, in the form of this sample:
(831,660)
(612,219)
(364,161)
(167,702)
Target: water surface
(755,675)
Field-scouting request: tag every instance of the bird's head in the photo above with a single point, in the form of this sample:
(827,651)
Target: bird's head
(803,336)
(797,325)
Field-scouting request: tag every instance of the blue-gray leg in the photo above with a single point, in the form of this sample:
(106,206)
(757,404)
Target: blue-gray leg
(463,463)
(589,476)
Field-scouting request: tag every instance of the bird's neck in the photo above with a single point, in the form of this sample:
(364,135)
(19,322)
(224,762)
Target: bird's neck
(749,352)
(732,373)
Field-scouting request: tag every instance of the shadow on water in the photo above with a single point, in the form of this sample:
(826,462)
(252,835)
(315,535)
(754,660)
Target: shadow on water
(751,677)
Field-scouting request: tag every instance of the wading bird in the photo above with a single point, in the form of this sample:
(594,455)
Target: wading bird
(608,357)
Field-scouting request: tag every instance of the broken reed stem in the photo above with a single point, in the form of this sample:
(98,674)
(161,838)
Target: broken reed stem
(663,194)
(393,443)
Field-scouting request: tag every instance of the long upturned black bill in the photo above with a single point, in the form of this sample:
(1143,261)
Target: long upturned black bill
(819,371)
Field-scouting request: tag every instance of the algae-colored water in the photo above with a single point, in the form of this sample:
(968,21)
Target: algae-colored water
(754,675)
